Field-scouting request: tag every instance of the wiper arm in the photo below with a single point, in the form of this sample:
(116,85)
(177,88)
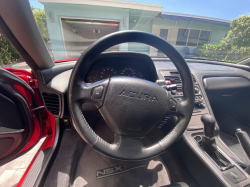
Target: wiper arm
(245,62)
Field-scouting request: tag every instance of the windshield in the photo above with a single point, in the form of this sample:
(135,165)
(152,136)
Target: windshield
(212,30)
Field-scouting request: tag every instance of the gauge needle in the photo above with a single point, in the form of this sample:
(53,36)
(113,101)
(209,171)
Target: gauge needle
(108,76)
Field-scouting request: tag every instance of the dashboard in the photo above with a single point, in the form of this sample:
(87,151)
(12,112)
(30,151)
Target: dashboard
(56,79)
(122,64)
(223,87)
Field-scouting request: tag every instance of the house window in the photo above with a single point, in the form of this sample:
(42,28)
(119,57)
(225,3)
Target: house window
(204,37)
(182,37)
(164,33)
(192,37)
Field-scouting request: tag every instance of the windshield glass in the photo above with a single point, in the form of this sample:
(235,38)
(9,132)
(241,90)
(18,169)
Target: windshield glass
(212,30)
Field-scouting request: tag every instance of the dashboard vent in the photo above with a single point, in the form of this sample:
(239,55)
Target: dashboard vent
(52,103)
(175,78)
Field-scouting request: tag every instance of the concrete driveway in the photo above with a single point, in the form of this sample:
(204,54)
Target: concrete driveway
(12,172)
(19,65)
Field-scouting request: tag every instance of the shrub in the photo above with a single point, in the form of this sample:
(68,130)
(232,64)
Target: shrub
(8,53)
(222,52)
(234,47)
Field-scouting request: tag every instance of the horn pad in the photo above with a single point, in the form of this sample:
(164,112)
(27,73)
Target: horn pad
(133,106)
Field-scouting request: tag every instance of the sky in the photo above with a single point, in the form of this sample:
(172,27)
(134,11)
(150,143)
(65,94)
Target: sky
(223,9)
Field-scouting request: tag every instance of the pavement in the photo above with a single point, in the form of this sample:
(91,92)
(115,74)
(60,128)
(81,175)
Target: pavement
(12,172)
(19,65)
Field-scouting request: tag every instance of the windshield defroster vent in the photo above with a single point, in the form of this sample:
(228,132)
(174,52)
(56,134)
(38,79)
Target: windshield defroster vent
(52,103)
(175,78)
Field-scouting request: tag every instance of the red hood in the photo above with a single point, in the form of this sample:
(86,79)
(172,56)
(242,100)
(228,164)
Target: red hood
(66,59)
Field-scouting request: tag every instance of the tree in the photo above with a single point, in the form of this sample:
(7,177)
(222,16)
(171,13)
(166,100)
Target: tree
(235,46)
(239,35)
(8,53)
(39,15)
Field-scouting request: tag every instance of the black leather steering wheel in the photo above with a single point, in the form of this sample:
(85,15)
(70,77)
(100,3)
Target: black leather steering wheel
(130,106)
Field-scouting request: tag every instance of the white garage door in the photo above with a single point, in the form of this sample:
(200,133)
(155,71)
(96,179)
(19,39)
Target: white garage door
(78,34)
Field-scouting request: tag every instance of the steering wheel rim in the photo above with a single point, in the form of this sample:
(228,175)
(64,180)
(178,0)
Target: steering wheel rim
(128,147)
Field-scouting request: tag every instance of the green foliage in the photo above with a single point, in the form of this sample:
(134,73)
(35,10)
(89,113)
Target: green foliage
(239,35)
(40,18)
(8,53)
(234,47)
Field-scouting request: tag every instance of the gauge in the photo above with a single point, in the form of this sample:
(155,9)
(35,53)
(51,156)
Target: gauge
(140,75)
(128,72)
(107,72)
(93,77)
(131,72)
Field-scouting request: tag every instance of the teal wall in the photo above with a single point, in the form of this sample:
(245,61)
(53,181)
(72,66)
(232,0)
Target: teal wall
(79,11)
(218,32)
(138,47)
(143,22)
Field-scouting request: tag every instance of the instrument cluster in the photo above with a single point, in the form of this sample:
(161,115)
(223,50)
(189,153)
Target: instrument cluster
(104,72)
(128,64)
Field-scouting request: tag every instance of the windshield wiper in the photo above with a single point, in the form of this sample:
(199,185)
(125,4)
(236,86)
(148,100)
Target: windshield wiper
(209,59)
(192,58)
(245,62)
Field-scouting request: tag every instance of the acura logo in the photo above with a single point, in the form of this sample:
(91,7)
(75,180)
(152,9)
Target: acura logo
(138,95)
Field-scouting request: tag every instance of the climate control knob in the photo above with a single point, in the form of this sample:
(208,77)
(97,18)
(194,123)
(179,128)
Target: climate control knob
(202,105)
(196,90)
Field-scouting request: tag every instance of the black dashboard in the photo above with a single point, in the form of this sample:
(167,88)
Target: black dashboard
(219,88)
(55,80)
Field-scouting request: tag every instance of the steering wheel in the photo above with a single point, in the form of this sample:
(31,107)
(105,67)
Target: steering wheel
(131,107)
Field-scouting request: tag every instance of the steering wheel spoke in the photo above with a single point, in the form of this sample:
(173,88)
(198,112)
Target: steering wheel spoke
(176,107)
(92,93)
(128,145)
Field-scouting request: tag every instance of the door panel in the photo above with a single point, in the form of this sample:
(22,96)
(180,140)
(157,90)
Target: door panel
(18,123)
(11,127)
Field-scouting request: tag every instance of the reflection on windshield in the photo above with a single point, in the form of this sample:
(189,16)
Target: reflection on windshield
(69,28)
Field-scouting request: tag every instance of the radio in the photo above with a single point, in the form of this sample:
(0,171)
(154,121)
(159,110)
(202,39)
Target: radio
(173,80)
(176,91)
(199,102)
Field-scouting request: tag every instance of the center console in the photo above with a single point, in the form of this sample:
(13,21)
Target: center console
(200,104)
(206,156)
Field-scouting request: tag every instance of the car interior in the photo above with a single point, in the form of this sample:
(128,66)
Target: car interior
(123,118)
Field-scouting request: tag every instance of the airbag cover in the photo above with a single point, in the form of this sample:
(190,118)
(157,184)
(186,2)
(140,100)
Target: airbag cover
(133,106)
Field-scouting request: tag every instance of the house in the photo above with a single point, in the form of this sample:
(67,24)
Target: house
(74,25)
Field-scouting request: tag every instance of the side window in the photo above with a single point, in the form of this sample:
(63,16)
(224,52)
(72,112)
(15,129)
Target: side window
(9,57)
(8,54)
